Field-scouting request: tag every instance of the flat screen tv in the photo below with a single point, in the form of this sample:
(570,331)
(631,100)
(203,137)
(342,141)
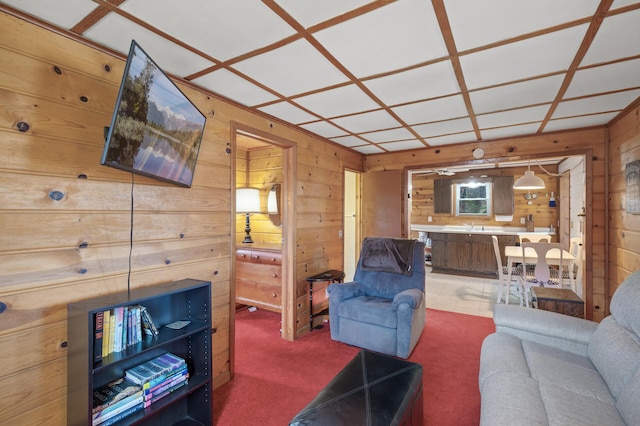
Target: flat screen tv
(155,131)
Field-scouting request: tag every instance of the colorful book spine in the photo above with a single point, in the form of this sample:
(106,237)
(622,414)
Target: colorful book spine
(113,393)
(153,368)
(118,412)
(124,414)
(163,394)
(159,380)
(106,321)
(171,384)
(148,325)
(98,328)
(112,331)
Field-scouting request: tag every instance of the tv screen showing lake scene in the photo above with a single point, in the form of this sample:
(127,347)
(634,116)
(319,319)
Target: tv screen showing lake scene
(156,131)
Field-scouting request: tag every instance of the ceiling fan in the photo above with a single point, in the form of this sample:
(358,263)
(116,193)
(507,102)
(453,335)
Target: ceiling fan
(447,171)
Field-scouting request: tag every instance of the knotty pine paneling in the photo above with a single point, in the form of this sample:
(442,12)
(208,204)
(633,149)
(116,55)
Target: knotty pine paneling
(56,252)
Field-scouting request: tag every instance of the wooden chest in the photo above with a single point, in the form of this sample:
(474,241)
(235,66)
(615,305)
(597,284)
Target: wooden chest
(259,277)
(558,300)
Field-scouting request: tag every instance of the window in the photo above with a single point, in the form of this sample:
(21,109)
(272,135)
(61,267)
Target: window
(473,199)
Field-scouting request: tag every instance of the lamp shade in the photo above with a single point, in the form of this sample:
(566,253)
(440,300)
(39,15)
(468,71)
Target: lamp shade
(247,200)
(528,181)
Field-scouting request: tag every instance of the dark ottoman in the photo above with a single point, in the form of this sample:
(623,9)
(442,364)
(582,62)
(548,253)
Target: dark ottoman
(373,389)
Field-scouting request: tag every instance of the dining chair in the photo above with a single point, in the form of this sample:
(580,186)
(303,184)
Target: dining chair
(534,238)
(503,276)
(543,273)
(571,279)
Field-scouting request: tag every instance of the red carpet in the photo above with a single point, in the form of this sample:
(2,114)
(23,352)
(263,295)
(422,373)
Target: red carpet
(275,378)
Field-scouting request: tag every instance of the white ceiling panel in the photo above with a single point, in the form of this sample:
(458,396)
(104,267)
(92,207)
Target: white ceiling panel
(230,85)
(63,13)
(530,92)
(595,104)
(451,139)
(349,141)
(368,149)
(513,117)
(507,132)
(421,83)
(323,128)
(288,113)
(336,102)
(618,37)
(222,29)
(375,120)
(605,78)
(389,135)
(435,110)
(444,127)
(309,13)
(505,19)
(292,69)
(116,32)
(397,35)
(530,57)
(577,122)
(402,145)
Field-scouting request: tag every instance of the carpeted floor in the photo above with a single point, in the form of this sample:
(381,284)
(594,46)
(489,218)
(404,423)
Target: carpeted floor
(276,378)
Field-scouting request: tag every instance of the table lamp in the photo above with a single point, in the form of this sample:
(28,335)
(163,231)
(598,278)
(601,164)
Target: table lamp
(247,202)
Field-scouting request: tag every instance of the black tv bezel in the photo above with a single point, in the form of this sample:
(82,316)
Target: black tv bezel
(109,134)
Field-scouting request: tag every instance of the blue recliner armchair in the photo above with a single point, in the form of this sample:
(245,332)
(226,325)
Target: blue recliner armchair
(383,309)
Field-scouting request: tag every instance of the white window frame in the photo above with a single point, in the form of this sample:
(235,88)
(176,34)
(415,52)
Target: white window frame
(488,197)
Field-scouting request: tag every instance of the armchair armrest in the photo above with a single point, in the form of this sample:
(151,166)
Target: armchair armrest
(549,328)
(340,292)
(411,296)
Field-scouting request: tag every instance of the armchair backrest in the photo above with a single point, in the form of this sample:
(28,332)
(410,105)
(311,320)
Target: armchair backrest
(380,282)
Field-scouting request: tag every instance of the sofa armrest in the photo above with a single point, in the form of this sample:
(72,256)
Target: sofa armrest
(411,296)
(339,292)
(549,328)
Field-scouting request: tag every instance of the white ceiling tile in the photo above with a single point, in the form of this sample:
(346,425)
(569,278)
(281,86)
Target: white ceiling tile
(527,58)
(577,122)
(606,78)
(117,32)
(394,36)
(435,110)
(348,141)
(596,104)
(478,23)
(309,13)
(292,69)
(63,13)
(620,3)
(403,145)
(444,127)
(376,120)
(389,135)
(226,83)
(451,139)
(507,132)
(288,112)
(368,149)
(531,92)
(336,102)
(618,37)
(224,29)
(516,116)
(324,129)
(421,83)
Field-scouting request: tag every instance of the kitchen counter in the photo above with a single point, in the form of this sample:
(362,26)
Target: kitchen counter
(489,230)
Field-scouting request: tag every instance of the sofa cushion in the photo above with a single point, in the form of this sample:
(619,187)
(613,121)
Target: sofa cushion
(615,352)
(624,303)
(572,372)
(370,310)
(511,399)
(502,353)
(628,401)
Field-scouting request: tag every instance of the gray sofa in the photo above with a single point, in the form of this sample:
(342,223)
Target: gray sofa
(543,368)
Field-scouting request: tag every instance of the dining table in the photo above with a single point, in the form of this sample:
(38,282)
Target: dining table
(514,255)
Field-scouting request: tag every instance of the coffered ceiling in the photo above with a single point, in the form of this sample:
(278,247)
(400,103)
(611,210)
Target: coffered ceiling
(379,76)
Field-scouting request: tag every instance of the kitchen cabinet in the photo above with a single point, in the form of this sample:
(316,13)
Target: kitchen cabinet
(442,196)
(503,195)
(466,253)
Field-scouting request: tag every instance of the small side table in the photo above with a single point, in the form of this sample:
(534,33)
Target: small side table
(558,300)
(331,276)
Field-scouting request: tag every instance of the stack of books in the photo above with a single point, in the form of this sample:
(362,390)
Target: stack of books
(116,400)
(159,377)
(117,328)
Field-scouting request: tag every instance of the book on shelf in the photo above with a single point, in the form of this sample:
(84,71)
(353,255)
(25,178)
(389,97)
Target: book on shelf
(106,330)
(154,368)
(161,395)
(167,382)
(98,329)
(158,381)
(112,330)
(114,392)
(118,412)
(148,325)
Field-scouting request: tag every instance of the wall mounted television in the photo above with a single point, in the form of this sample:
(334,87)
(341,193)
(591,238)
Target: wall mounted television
(156,131)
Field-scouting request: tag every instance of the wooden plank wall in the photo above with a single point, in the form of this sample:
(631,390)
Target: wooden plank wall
(56,252)
(422,201)
(624,227)
(590,142)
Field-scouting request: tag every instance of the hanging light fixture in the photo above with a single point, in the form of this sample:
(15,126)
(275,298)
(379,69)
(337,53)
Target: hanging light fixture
(529,180)
(247,202)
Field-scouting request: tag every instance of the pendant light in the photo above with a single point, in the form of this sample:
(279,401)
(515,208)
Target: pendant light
(529,180)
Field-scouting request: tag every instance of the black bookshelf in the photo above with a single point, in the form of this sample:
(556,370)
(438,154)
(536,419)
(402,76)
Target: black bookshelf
(179,300)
